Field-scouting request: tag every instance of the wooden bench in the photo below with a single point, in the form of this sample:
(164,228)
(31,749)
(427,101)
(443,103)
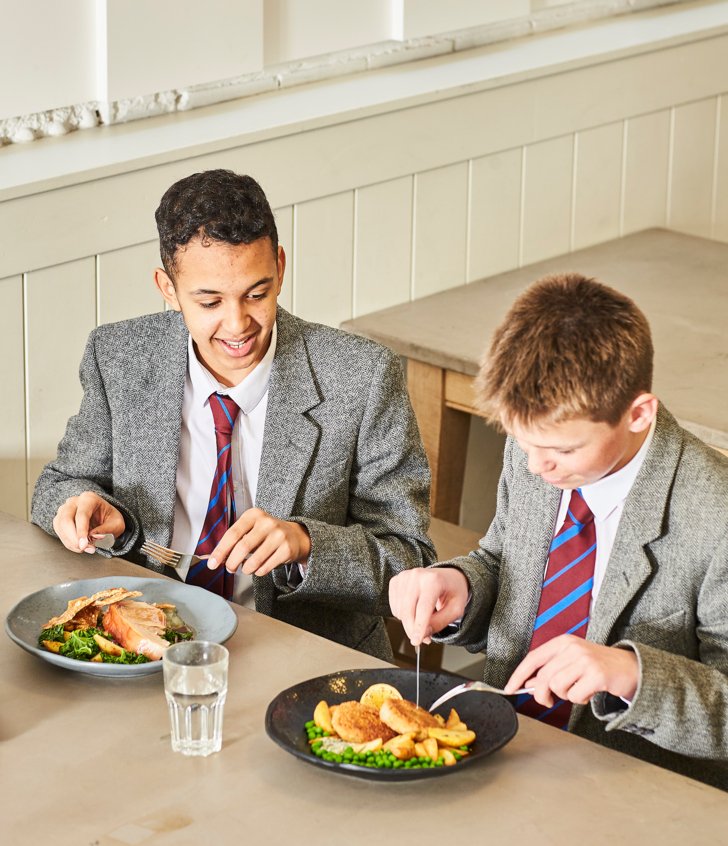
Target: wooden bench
(679,281)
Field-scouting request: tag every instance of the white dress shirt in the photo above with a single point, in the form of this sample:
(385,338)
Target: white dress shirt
(605,499)
(198,453)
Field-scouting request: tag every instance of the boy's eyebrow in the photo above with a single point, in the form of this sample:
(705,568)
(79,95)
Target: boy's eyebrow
(206,292)
(576,445)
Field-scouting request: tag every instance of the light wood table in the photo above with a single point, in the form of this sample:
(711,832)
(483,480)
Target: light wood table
(679,281)
(85,760)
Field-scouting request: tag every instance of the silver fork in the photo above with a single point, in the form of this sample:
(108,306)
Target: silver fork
(477,686)
(169,556)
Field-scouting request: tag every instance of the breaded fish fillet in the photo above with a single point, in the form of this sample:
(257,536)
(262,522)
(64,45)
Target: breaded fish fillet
(403,717)
(359,723)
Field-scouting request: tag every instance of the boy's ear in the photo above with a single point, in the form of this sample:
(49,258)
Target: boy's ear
(281,264)
(166,288)
(642,412)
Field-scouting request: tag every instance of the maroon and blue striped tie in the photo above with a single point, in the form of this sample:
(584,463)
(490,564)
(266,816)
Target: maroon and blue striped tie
(221,509)
(565,596)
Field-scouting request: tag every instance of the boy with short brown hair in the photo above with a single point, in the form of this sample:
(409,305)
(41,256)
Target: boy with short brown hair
(603,577)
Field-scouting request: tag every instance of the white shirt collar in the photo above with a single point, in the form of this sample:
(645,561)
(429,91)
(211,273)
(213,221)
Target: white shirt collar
(604,495)
(247,394)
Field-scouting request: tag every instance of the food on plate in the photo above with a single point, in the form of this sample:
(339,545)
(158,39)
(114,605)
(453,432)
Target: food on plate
(406,717)
(112,626)
(376,694)
(138,626)
(359,723)
(396,734)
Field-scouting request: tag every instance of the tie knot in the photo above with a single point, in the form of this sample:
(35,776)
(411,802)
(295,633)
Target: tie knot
(224,413)
(578,509)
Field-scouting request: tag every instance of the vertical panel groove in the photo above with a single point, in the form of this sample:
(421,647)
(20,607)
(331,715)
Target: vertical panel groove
(670,162)
(521,215)
(623,175)
(572,213)
(354,252)
(413,244)
(97,288)
(714,181)
(294,250)
(468,220)
(26,395)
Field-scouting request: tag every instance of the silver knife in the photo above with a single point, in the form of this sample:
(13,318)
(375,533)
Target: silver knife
(417,653)
(104,542)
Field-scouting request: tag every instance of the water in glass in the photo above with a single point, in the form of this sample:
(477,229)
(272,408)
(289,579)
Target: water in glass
(195,684)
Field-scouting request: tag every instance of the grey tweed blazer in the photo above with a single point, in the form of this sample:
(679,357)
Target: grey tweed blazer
(665,594)
(341,454)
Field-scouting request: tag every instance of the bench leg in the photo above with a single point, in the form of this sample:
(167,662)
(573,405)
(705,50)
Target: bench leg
(444,434)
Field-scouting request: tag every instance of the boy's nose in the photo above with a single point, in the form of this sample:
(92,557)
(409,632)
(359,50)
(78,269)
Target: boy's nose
(539,462)
(236,321)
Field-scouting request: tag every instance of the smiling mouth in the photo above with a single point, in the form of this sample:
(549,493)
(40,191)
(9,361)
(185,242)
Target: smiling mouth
(237,346)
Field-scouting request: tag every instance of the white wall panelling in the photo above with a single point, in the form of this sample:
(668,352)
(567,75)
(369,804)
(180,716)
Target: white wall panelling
(440,229)
(383,245)
(373,208)
(693,167)
(494,219)
(300,165)
(646,166)
(720,229)
(284,225)
(60,311)
(547,199)
(12,379)
(598,185)
(323,240)
(125,282)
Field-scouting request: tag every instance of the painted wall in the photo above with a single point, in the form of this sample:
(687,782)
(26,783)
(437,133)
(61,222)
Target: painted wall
(373,212)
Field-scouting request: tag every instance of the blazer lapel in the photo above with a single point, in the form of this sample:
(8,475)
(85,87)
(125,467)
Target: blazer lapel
(643,521)
(290,435)
(160,410)
(534,550)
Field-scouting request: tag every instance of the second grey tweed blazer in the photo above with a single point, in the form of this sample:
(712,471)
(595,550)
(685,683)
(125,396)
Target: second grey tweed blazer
(665,593)
(341,454)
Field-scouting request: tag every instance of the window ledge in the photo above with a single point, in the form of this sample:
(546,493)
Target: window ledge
(82,156)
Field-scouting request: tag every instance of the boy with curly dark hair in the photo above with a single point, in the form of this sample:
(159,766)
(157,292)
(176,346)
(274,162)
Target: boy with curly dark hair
(284,452)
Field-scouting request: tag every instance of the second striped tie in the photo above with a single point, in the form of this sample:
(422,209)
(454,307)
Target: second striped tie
(565,596)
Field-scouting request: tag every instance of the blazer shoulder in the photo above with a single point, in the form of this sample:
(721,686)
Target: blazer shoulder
(702,470)
(146,326)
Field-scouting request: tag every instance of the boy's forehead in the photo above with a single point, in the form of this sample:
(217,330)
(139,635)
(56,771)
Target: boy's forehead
(550,432)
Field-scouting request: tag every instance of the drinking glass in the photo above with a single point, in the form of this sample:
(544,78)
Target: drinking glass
(195,684)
